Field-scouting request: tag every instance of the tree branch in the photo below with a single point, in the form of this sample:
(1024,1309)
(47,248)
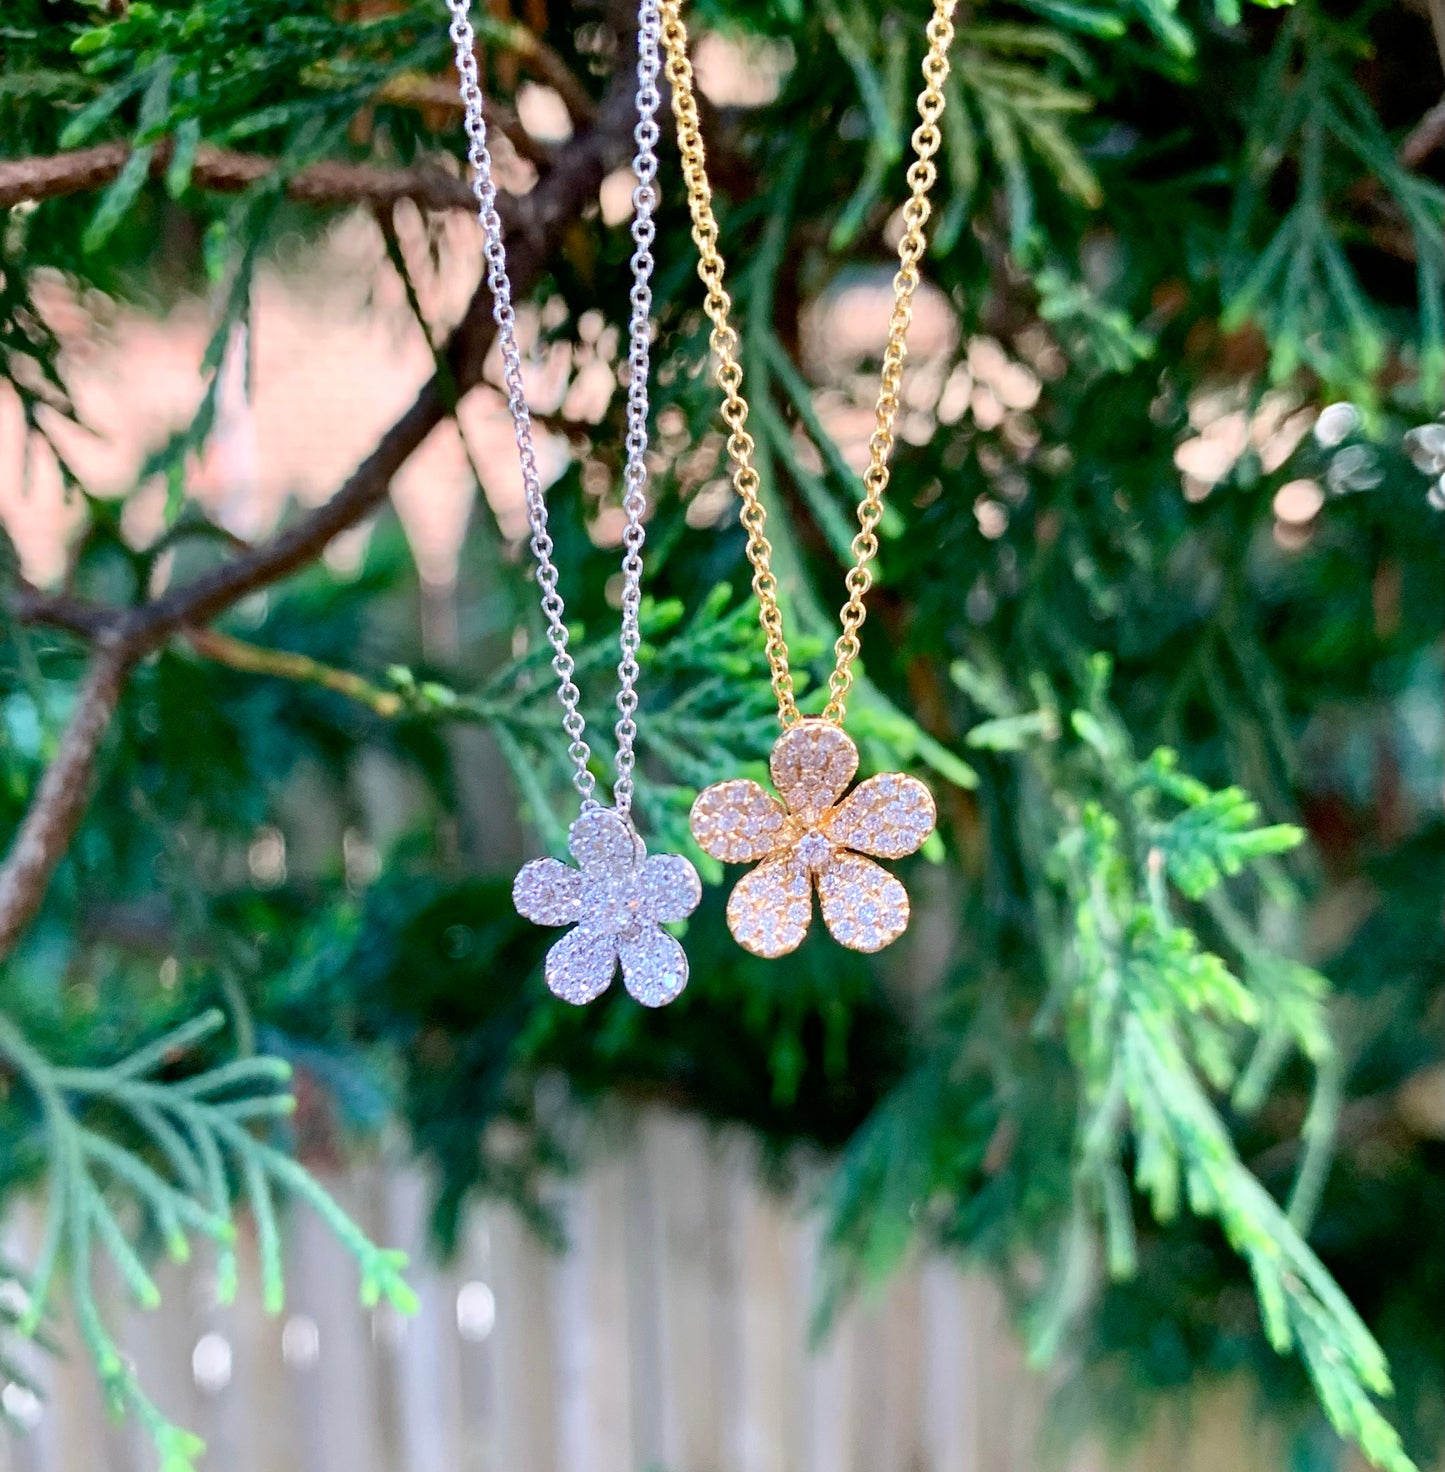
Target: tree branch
(301,669)
(61,797)
(1426,136)
(536,225)
(440,93)
(228,172)
(28,605)
(545,64)
(1437,27)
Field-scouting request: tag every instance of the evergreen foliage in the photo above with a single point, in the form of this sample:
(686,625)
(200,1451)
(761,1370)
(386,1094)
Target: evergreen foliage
(1176,1004)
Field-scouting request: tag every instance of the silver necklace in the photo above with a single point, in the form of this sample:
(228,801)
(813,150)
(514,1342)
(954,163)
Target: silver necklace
(618,897)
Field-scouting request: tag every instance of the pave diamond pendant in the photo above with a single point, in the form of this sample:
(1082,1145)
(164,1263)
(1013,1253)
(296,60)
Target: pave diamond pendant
(618,898)
(815,838)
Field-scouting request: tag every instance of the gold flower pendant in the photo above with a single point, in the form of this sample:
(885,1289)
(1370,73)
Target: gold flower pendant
(815,836)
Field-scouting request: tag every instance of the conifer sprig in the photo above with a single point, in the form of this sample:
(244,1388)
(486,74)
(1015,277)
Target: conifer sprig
(131,1144)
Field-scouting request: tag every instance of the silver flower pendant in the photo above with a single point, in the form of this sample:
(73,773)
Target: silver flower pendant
(618,899)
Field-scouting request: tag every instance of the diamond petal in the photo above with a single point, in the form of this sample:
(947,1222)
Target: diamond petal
(864,907)
(580,966)
(604,843)
(667,888)
(770,909)
(812,764)
(887,816)
(740,822)
(548,892)
(654,965)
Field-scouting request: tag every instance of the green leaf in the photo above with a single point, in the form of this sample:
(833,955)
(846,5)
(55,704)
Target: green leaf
(1013,733)
(83,126)
(183,157)
(87,43)
(115,203)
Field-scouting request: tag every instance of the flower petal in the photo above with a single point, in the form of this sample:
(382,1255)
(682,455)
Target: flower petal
(887,816)
(864,907)
(548,892)
(654,965)
(580,966)
(604,844)
(770,909)
(667,888)
(812,765)
(740,822)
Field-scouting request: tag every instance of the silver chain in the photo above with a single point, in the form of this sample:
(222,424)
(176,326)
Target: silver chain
(639,358)
(644,200)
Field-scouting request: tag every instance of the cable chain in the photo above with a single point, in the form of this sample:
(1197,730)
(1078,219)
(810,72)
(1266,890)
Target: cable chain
(922,173)
(463,37)
(639,359)
(728,373)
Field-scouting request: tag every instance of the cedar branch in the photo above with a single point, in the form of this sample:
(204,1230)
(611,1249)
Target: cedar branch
(536,226)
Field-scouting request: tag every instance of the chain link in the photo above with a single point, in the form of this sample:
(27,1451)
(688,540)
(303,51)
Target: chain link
(922,173)
(639,360)
(728,371)
(484,188)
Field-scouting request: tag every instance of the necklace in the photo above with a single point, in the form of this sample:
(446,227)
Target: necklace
(618,898)
(815,837)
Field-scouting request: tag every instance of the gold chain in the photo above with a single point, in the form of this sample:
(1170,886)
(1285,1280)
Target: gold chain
(724,340)
(922,173)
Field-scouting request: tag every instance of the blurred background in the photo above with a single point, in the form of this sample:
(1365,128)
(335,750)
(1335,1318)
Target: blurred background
(1129,1153)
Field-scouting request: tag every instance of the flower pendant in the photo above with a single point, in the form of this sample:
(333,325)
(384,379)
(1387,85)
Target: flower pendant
(618,899)
(815,837)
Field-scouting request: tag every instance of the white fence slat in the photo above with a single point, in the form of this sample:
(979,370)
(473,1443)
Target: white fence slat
(772,1330)
(829,1409)
(903,1371)
(952,1407)
(427,1373)
(477,1354)
(523,1365)
(686,1252)
(334,1398)
(591,1326)
(642,1250)
(867,1395)
(1010,1397)
(728,1159)
(257,1436)
(160,1345)
(37,1450)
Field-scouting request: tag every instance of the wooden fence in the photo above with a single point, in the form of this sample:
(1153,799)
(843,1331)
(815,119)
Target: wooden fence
(671,1337)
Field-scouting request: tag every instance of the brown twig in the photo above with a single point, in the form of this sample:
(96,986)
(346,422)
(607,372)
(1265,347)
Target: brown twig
(61,797)
(544,64)
(1389,230)
(1425,137)
(440,94)
(1437,27)
(536,225)
(574,431)
(28,605)
(228,172)
(301,669)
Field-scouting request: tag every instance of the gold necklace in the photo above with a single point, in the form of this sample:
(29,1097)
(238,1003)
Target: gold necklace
(815,836)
